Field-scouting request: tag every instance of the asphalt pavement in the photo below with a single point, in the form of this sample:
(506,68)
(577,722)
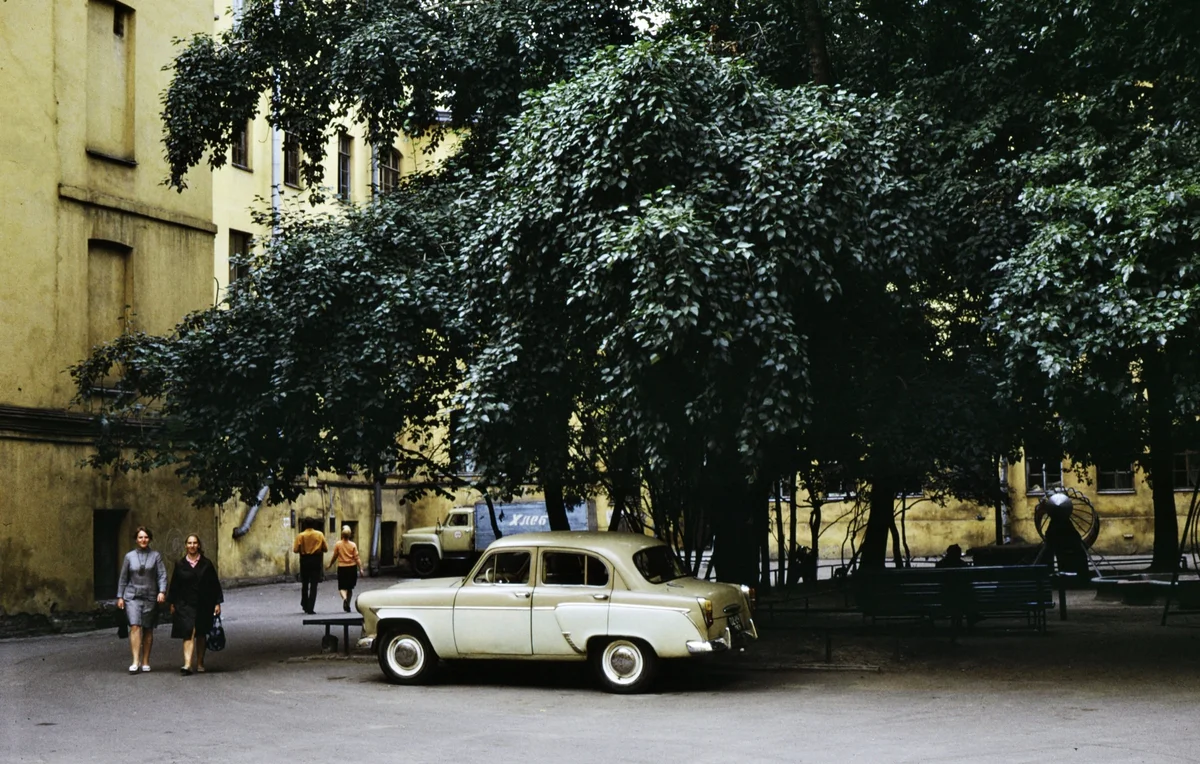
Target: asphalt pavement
(1128,694)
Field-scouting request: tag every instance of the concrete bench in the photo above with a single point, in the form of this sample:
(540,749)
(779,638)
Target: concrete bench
(345,621)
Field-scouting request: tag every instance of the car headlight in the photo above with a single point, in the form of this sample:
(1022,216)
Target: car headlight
(706,609)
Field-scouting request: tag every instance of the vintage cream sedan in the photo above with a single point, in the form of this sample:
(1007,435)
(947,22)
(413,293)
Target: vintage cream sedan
(620,600)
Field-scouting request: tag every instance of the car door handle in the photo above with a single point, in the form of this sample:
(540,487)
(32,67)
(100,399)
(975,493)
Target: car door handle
(521,595)
(600,597)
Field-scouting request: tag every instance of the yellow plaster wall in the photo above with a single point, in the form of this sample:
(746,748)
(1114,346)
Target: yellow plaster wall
(46,561)
(56,196)
(1126,518)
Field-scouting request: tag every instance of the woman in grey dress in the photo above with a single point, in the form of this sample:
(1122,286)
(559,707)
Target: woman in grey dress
(140,589)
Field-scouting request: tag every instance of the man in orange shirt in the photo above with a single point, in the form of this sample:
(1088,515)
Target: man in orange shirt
(310,545)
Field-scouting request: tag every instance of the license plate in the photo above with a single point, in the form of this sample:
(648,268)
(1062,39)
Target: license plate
(735,622)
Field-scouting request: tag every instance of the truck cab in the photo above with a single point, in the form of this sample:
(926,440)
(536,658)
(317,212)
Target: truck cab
(451,539)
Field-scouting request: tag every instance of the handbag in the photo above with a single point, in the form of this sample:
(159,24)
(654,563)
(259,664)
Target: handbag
(215,639)
(122,625)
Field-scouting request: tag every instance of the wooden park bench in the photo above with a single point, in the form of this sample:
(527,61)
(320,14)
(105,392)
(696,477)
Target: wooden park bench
(960,594)
(329,642)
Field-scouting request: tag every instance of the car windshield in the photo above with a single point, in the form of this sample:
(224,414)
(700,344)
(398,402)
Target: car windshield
(658,564)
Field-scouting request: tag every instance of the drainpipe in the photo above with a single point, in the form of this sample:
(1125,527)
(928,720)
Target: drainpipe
(373,564)
(251,513)
(276,159)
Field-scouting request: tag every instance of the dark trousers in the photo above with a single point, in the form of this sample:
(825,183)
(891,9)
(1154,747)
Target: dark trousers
(310,576)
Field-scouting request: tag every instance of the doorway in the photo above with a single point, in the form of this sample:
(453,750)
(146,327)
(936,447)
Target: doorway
(387,544)
(106,551)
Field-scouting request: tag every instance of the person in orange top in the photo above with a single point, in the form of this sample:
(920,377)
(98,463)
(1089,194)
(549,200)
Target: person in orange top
(345,554)
(310,545)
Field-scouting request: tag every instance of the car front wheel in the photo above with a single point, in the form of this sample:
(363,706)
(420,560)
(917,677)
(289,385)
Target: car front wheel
(406,656)
(624,665)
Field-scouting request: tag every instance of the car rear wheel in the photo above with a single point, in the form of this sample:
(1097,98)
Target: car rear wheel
(624,665)
(406,656)
(424,561)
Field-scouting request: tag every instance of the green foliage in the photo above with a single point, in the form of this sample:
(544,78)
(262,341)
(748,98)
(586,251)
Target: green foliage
(661,238)
(334,355)
(389,65)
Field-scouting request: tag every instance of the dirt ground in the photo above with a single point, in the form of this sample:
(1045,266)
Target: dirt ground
(1101,641)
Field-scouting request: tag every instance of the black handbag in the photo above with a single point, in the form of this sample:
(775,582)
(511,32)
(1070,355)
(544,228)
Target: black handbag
(122,625)
(215,639)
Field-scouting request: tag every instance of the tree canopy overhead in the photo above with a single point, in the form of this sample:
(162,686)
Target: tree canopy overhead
(663,236)
(682,262)
(388,65)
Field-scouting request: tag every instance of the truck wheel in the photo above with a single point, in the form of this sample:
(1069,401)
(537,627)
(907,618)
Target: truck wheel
(424,561)
(624,665)
(406,656)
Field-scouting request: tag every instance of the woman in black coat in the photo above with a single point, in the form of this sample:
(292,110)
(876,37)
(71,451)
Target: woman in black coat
(195,596)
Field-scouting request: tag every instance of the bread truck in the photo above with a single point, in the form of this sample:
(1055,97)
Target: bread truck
(466,531)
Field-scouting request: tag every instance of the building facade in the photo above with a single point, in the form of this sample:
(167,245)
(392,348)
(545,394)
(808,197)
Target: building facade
(92,244)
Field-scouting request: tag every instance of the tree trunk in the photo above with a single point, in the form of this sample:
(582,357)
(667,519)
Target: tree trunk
(818,51)
(736,543)
(1159,397)
(781,545)
(880,522)
(492,514)
(556,505)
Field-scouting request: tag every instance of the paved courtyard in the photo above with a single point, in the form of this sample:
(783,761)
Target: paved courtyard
(1108,685)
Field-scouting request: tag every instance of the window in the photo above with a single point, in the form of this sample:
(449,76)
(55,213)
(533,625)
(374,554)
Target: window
(1041,474)
(504,568)
(459,520)
(239,152)
(1187,469)
(239,255)
(110,81)
(837,485)
(1114,479)
(389,170)
(573,569)
(343,167)
(291,160)
(658,564)
(110,291)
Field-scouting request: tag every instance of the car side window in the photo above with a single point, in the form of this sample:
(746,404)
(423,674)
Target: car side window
(456,520)
(573,569)
(504,568)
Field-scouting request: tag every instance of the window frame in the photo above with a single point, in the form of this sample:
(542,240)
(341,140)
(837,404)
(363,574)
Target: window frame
(1028,462)
(291,160)
(1191,464)
(480,576)
(241,145)
(1115,475)
(389,174)
(239,271)
(590,560)
(345,165)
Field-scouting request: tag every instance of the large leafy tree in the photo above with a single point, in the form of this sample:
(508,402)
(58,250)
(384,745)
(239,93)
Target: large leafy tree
(336,354)
(663,236)
(1100,304)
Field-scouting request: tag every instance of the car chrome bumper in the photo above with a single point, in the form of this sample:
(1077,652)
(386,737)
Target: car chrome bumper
(729,640)
(701,646)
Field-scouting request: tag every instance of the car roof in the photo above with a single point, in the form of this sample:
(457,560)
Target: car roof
(617,542)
